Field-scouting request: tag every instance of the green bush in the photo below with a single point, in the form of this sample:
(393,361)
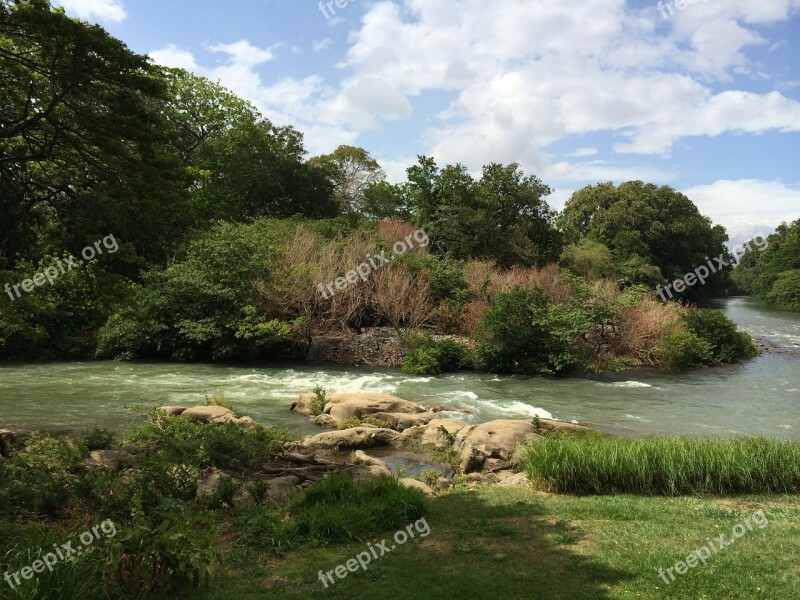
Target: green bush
(98,439)
(523,333)
(785,291)
(727,343)
(335,510)
(428,357)
(664,466)
(684,350)
(226,446)
(317,405)
(422,361)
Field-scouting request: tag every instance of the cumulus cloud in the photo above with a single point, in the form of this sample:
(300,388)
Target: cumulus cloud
(102,10)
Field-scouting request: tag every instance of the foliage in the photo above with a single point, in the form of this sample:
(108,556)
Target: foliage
(317,405)
(770,268)
(368,420)
(726,342)
(664,466)
(98,439)
(333,511)
(523,333)
(225,446)
(683,350)
(427,356)
(658,225)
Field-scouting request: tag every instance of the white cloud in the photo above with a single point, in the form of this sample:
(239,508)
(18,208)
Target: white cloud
(747,207)
(103,10)
(324,44)
(518,75)
(581,152)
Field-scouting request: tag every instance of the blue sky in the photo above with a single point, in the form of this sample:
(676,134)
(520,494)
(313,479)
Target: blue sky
(705,99)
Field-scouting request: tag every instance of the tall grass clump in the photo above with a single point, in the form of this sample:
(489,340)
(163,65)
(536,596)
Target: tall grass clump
(335,510)
(665,466)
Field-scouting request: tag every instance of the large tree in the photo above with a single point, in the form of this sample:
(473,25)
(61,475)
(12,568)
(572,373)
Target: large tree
(352,171)
(79,114)
(656,224)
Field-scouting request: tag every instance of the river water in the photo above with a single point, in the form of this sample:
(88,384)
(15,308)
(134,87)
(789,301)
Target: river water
(761,396)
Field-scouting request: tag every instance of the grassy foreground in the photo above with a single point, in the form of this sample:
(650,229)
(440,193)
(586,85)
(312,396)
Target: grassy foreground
(503,543)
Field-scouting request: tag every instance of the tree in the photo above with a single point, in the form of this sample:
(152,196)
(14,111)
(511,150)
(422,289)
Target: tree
(352,171)
(79,112)
(656,224)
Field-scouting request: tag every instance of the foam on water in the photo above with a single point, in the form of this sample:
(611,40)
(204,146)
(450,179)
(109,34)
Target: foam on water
(627,384)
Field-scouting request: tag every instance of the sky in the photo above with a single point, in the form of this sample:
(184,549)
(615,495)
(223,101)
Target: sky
(700,95)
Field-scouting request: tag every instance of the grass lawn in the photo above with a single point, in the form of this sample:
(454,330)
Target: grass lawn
(500,543)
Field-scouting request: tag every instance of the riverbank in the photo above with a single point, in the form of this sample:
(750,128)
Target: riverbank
(206,503)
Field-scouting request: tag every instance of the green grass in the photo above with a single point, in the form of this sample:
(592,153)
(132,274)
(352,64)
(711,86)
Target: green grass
(335,510)
(664,466)
(501,543)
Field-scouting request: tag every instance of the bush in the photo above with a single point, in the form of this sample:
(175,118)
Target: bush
(422,361)
(335,510)
(727,343)
(785,291)
(683,350)
(226,446)
(98,439)
(522,332)
(664,466)
(317,405)
(428,357)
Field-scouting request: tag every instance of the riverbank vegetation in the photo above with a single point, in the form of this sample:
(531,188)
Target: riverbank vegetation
(773,273)
(193,515)
(234,243)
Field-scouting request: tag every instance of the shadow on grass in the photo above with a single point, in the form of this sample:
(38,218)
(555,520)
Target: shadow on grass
(479,547)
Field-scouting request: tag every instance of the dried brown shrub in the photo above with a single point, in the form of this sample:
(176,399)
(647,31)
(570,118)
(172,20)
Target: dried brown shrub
(640,329)
(396,230)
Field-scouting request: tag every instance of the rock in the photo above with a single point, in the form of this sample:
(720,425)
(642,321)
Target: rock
(493,440)
(437,409)
(325,421)
(281,489)
(362,458)
(173,411)
(510,479)
(415,484)
(7,440)
(412,434)
(403,421)
(552,426)
(434,438)
(443,483)
(209,484)
(345,407)
(216,414)
(242,499)
(367,472)
(113,460)
(353,439)
(208,414)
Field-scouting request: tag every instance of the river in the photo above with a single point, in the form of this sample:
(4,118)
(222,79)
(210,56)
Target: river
(761,396)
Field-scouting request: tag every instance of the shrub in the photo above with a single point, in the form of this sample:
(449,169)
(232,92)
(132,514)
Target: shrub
(422,361)
(98,439)
(523,333)
(664,466)
(334,510)
(218,400)
(368,420)
(785,291)
(683,350)
(226,446)
(426,356)
(317,405)
(727,343)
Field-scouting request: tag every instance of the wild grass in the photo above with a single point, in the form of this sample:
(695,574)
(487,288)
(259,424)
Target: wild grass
(664,466)
(333,511)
